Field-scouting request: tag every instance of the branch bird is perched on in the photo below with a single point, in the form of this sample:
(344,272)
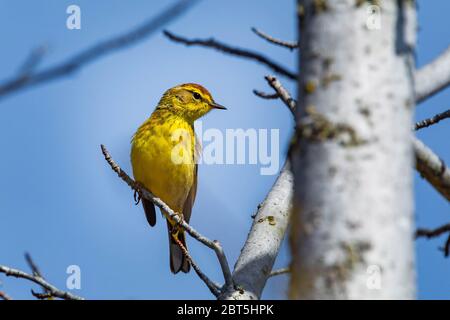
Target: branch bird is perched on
(164,157)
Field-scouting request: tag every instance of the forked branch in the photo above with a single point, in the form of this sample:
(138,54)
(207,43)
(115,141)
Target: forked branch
(283,94)
(212,244)
(433,233)
(36,277)
(243,53)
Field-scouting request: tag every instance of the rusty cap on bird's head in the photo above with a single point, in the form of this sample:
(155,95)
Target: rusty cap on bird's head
(204,92)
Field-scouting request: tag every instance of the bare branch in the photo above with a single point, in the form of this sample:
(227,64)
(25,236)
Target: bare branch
(245,53)
(263,243)
(212,244)
(278,42)
(52,290)
(213,287)
(280,272)
(432,168)
(34,268)
(433,77)
(99,50)
(265,95)
(433,120)
(282,93)
(433,233)
(33,60)
(36,272)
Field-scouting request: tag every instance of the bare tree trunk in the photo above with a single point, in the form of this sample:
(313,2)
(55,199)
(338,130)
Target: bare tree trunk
(352,233)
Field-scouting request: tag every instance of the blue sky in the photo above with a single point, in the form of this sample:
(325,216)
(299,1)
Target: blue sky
(61,202)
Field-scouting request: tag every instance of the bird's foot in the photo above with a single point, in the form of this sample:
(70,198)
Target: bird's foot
(137,197)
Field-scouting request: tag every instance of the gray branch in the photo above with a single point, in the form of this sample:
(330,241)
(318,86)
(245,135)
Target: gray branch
(433,77)
(280,272)
(432,168)
(28,79)
(257,257)
(284,95)
(282,43)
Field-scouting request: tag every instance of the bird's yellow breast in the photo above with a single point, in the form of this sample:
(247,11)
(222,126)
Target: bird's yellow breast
(162,157)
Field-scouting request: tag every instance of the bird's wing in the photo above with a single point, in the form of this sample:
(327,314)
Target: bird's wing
(189,203)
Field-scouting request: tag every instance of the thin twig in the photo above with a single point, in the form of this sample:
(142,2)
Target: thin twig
(279,272)
(447,246)
(278,42)
(212,286)
(34,268)
(101,49)
(245,53)
(52,290)
(266,95)
(36,272)
(433,120)
(41,295)
(33,60)
(433,233)
(212,244)
(282,93)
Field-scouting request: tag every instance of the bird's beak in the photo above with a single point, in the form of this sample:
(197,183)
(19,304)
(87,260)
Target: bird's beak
(217,106)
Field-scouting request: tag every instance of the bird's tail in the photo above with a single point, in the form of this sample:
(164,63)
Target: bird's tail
(178,260)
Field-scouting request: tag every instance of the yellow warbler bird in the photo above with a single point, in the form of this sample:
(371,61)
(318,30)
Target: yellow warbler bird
(163,156)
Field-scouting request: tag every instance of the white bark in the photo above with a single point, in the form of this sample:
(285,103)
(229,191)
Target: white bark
(432,168)
(256,260)
(433,77)
(352,232)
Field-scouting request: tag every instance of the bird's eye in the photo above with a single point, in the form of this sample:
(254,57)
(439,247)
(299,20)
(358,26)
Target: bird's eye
(197,95)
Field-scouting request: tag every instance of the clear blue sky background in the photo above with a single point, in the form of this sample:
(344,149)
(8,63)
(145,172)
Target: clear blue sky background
(61,202)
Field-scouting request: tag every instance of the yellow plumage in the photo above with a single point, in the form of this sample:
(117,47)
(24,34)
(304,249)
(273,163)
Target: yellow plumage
(151,157)
(163,157)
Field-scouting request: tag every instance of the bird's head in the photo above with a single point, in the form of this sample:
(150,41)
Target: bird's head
(189,100)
